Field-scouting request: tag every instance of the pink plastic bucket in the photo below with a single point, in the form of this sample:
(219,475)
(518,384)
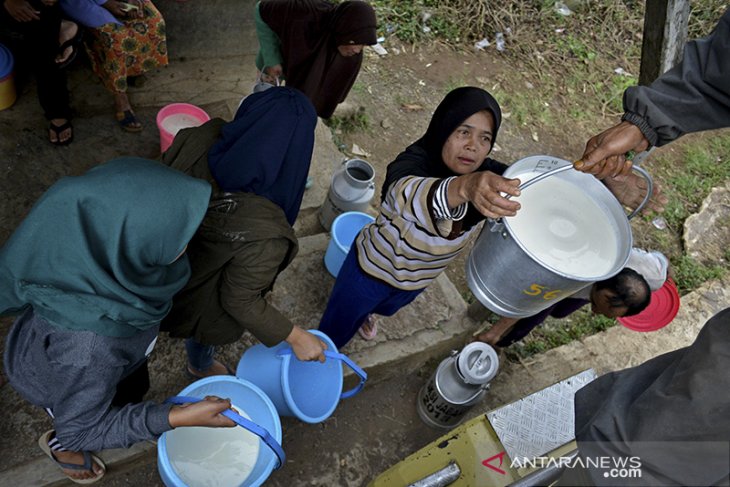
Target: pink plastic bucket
(177,116)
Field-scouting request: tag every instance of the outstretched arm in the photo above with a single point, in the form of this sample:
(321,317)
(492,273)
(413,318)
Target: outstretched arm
(691,97)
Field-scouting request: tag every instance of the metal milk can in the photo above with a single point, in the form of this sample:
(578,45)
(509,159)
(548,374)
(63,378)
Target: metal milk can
(460,381)
(352,188)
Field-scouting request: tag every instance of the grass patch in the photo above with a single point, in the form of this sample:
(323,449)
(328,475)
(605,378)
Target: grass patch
(357,121)
(702,166)
(690,274)
(554,333)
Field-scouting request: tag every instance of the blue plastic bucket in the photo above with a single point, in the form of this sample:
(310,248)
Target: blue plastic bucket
(344,230)
(7,85)
(264,422)
(309,391)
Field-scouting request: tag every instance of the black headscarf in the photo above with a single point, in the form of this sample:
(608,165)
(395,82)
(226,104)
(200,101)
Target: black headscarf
(310,31)
(423,158)
(267,148)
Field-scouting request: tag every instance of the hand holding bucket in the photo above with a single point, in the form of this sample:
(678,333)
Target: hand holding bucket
(309,390)
(243,423)
(187,454)
(345,359)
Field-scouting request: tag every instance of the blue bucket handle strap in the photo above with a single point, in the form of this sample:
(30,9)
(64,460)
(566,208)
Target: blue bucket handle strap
(344,358)
(242,422)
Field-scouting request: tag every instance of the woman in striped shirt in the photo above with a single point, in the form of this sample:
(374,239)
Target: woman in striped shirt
(435,194)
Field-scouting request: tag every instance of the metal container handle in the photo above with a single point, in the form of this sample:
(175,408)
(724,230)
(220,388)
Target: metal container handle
(635,167)
(649,182)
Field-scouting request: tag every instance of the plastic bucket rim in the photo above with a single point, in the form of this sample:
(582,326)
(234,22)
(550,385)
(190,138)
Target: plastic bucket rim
(341,217)
(286,390)
(163,113)
(163,455)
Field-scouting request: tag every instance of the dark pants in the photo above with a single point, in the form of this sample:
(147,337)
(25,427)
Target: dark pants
(132,388)
(35,46)
(354,297)
(561,309)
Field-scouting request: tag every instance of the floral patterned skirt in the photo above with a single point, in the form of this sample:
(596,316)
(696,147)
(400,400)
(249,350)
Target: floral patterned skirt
(138,45)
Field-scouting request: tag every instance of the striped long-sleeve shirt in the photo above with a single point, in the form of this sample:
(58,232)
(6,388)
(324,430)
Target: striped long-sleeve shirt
(415,235)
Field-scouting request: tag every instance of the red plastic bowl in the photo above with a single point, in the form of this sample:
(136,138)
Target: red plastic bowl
(661,311)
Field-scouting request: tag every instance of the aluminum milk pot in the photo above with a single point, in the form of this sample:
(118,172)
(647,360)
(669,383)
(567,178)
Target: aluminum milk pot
(352,188)
(460,381)
(502,273)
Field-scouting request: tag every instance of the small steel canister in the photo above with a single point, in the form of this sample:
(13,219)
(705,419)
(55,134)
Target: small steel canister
(460,381)
(352,188)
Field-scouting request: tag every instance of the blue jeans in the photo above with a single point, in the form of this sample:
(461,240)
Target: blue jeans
(354,297)
(200,357)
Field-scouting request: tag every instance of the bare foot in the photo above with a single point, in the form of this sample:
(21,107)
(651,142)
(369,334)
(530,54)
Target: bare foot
(369,328)
(67,32)
(77,458)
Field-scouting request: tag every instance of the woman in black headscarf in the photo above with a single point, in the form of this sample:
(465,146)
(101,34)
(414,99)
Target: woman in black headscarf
(257,165)
(434,195)
(316,45)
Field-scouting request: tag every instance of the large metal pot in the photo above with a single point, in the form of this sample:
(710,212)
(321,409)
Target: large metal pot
(509,278)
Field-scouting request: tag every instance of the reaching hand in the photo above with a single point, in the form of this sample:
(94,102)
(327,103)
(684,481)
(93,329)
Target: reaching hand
(21,10)
(271,73)
(203,413)
(605,153)
(498,330)
(630,191)
(306,346)
(124,10)
(483,190)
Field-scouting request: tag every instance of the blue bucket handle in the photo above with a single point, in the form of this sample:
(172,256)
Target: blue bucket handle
(338,356)
(242,422)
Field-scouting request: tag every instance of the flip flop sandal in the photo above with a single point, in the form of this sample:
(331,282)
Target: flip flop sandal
(57,129)
(74,44)
(195,374)
(126,120)
(369,335)
(88,459)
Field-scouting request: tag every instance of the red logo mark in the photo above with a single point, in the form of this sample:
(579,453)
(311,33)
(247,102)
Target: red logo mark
(496,469)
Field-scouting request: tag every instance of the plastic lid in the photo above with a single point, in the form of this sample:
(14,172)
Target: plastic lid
(477,363)
(661,311)
(6,61)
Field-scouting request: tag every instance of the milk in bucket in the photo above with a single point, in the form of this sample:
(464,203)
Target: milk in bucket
(213,457)
(565,229)
(570,232)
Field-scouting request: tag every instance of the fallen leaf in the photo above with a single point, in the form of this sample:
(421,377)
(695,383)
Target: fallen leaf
(411,107)
(356,150)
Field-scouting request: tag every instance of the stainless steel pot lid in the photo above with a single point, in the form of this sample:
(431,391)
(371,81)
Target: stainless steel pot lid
(477,363)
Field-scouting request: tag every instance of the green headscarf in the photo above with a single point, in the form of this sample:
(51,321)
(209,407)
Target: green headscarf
(98,251)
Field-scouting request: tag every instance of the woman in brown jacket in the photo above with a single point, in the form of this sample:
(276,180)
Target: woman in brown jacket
(257,165)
